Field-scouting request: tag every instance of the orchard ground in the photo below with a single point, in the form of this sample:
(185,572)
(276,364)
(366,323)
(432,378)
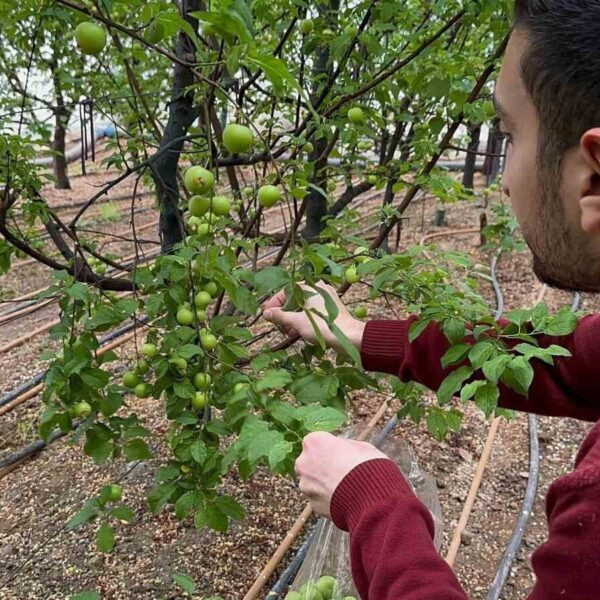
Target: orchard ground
(41,495)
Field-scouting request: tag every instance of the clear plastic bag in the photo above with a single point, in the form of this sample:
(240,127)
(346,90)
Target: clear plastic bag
(325,573)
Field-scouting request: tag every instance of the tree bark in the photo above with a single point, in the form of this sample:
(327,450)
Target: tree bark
(471,158)
(316,208)
(59,161)
(181,117)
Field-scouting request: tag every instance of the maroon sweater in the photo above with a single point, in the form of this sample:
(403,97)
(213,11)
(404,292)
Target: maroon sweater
(392,552)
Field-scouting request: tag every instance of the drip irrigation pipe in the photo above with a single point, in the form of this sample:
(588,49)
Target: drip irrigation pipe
(38,378)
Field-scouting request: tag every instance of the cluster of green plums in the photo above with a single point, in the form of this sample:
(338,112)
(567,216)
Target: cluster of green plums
(185,316)
(325,588)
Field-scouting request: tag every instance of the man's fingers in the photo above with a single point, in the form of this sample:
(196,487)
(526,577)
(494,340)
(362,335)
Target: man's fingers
(275,301)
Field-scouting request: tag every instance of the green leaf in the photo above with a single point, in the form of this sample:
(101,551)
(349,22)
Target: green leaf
(436,424)
(231,507)
(452,383)
(272,379)
(184,505)
(494,367)
(274,68)
(105,538)
(468,391)
(159,496)
(86,514)
(86,596)
(261,446)
(480,353)
(486,398)
(123,513)
(216,519)
(417,328)
(198,451)
(455,354)
(279,453)
(454,330)
(137,450)
(315,388)
(518,375)
(321,418)
(563,322)
(186,583)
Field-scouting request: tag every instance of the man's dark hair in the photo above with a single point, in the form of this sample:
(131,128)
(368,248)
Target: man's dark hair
(561,67)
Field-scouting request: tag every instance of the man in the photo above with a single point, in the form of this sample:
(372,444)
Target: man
(548,99)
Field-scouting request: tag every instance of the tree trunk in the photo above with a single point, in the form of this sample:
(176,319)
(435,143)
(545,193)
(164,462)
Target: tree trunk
(316,208)
(492,161)
(59,161)
(181,117)
(471,158)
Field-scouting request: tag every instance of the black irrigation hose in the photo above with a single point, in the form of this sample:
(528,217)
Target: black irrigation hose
(24,387)
(30,449)
(514,543)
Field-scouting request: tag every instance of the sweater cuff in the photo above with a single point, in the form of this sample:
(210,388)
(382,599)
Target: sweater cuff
(383,345)
(365,485)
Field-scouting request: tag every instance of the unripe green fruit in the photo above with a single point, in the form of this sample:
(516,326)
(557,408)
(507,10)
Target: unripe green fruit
(202,380)
(221,206)
(185,469)
(179,364)
(199,206)
(149,350)
(101,269)
(328,33)
(82,409)
(202,299)
(331,186)
(268,195)
(351,276)
(239,386)
(142,390)
(185,316)
(360,312)
(237,138)
(372,179)
(130,379)
(351,30)
(198,180)
(248,191)
(309,591)
(115,493)
(203,229)
(155,32)
(306,26)
(90,38)
(142,367)
(199,400)
(208,341)
(200,314)
(328,586)
(308,148)
(211,288)
(355,115)
(293,596)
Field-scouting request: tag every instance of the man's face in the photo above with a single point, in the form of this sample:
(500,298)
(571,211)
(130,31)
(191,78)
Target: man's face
(545,189)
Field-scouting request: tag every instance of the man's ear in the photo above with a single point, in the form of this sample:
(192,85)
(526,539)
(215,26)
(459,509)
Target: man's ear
(590,198)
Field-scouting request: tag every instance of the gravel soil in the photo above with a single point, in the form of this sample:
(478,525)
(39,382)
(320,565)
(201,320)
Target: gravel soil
(40,496)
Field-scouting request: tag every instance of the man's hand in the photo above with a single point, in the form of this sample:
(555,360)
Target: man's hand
(297,323)
(324,462)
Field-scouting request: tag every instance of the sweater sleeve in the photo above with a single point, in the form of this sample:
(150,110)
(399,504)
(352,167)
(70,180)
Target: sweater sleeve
(569,388)
(391,537)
